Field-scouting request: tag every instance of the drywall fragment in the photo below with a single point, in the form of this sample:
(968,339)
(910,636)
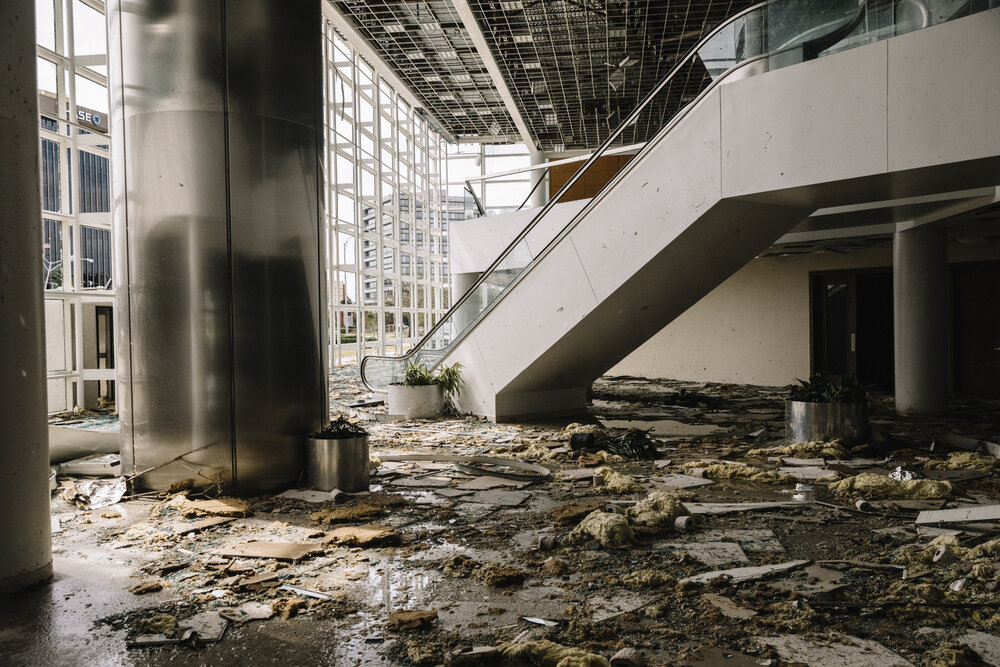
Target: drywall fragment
(203,524)
(545,653)
(209,625)
(728,608)
(540,621)
(628,657)
(678,481)
(879,486)
(488,482)
(740,574)
(571,513)
(729,508)
(960,515)
(305,592)
(610,530)
(808,472)
(233,507)
(836,651)
(366,535)
(987,646)
(145,587)
(497,497)
(279,550)
(412,619)
(713,554)
(248,611)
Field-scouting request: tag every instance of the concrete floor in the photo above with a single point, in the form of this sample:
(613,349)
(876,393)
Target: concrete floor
(86,614)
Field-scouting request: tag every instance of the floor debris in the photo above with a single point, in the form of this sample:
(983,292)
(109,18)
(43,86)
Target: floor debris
(836,650)
(488,550)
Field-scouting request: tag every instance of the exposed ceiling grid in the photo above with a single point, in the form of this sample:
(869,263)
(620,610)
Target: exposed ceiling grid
(574,68)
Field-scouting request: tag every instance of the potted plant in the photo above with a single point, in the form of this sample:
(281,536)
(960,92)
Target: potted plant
(423,393)
(823,408)
(337,457)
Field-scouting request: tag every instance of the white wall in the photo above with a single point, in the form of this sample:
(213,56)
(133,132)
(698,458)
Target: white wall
(754,327)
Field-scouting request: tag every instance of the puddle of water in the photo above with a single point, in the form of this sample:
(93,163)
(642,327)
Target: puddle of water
(663,426)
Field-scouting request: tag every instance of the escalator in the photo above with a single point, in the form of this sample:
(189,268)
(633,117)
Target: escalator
(558,308)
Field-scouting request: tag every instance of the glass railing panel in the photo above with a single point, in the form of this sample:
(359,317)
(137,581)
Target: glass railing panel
(785,31)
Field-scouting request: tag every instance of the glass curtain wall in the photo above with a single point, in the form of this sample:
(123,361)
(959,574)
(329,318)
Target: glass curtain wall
(499,194)
(76,246)
(386,211)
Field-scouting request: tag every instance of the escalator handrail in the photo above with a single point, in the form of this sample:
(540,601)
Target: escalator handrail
(631,118)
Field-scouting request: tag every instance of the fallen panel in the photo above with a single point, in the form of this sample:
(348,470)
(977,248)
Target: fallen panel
(960,515)
(740,574)
(209,625)
(488,482)
(678,481)
(728,508)
(808,472)
(710,553)
(278,550)
(985,644)
(503,498)
(843,650)
(198,526)
(754,540)
(727,607)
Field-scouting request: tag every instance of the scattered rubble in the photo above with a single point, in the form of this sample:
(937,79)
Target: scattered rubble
(694,548)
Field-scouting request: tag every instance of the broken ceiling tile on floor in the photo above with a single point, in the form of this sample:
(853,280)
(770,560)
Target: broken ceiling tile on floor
(808,472)
(497,497)
(279,550)
(727,607)
(739,574)
(837,651)
(678,481)
(486,482)
(709,553)
(729,508)
(752,540)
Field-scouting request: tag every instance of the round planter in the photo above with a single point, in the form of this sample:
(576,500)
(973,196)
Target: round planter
(338,463)
(422,402)
(805,422)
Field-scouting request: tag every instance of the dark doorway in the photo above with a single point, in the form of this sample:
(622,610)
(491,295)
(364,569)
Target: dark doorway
(976,304)
(105,349)
(852,325)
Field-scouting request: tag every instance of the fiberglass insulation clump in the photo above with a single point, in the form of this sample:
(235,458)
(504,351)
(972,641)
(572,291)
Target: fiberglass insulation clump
(869,486)
(611,530)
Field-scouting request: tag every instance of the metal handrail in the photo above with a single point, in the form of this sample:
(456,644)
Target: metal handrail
(628,121)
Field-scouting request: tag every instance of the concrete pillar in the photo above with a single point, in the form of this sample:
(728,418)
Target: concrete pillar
(25,537)
(920,295)
(540,196)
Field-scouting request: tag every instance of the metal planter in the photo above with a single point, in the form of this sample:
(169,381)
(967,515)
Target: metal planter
(805,422)
(338,463)
(422,402)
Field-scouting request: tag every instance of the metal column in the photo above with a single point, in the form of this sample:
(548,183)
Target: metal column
(217,214)
(26,546)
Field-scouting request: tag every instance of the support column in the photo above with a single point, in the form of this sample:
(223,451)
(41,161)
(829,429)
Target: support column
(26,543)
(920,295)
(540,197)
(221,304)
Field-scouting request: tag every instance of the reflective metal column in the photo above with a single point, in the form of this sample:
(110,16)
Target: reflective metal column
(216,120)
(25,545)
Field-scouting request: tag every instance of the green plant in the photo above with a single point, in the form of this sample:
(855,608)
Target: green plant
(449,377)
(339,428)
(821,389)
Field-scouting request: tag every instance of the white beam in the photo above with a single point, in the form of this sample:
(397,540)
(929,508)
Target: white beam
(469,21)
